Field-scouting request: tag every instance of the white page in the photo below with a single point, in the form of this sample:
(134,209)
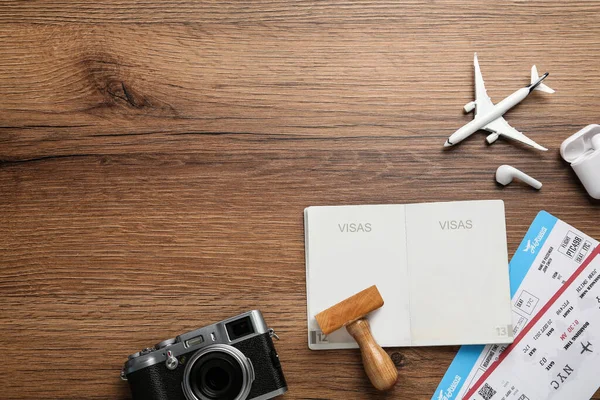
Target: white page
(458,280)
(344,263)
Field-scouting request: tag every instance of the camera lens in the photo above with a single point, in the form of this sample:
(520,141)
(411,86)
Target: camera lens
(218,372)
(217,376)
(217,379)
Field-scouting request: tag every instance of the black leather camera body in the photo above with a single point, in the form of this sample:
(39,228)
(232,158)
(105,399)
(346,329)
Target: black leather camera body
(234,359)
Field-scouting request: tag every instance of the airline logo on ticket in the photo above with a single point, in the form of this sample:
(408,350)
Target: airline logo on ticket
(557,356)
(549,254)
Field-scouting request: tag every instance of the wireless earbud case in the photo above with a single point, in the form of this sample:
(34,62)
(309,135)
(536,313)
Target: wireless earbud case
(581,150)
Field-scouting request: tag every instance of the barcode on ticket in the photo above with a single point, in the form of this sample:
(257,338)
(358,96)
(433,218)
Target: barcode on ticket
(486,392)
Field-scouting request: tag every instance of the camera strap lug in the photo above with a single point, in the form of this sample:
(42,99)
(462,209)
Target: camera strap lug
(172,361)
(123,376)
(273,334)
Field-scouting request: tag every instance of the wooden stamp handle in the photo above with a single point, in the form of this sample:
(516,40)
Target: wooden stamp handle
(377,363)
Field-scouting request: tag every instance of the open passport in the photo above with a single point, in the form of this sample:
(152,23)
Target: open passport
(441,268)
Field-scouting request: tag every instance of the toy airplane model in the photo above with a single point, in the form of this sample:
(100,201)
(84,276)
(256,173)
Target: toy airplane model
(489,116)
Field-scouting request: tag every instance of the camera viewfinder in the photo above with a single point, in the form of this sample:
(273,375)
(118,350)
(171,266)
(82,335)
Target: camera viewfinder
(239,328)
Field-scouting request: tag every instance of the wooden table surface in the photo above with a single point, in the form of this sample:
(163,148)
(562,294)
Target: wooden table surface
(156,157)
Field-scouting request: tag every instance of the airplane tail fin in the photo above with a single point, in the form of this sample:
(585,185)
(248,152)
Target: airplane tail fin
(541,87)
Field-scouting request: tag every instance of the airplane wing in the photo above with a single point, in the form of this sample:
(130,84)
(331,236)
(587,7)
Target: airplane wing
(501,127)
(482,100)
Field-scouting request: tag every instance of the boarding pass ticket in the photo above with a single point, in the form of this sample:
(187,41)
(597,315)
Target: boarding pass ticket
(550,253)
(557,356)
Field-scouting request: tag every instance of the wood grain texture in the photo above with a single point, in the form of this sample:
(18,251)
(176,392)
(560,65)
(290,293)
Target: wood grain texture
(378,364)
(351,313)
(156,156)
(350,309)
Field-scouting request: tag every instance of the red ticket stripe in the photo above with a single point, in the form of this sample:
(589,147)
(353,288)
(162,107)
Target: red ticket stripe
(534,321)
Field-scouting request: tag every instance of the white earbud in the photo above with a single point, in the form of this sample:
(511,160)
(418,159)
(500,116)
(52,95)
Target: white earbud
(505,175)
(596,142)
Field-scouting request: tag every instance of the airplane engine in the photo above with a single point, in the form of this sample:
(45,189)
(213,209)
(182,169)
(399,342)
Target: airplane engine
(469,107)
(492,138)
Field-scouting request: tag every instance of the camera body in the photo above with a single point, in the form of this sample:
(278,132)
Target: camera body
(234,359)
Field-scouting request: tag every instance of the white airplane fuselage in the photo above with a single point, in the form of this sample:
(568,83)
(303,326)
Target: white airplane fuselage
(482,120)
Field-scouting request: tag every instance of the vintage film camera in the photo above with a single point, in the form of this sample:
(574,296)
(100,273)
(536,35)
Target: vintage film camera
(231,360)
